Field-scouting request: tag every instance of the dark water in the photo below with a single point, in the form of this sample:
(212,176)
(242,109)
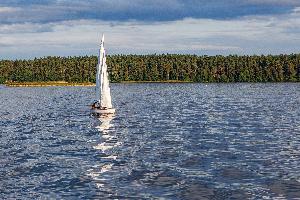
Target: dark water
(168,141)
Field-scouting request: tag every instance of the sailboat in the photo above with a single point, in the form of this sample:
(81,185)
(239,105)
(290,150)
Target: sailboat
(103,103)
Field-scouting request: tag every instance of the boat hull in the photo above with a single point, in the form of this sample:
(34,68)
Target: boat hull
(98,111)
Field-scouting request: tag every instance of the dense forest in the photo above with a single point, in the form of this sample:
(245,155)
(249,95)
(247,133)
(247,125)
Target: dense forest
(167,67)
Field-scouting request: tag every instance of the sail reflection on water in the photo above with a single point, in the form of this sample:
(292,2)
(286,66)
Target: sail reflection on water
(106,150)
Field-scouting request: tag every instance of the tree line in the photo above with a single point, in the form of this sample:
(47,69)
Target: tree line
(165,67)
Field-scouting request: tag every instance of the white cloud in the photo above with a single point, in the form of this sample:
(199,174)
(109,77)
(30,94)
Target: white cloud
(8,9)
(25,28)
(276,2)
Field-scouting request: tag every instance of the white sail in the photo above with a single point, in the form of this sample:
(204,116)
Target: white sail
(102,82)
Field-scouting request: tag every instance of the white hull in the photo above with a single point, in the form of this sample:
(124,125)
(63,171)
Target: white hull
(103,111)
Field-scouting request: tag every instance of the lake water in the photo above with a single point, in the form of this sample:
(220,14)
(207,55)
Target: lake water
(168,141)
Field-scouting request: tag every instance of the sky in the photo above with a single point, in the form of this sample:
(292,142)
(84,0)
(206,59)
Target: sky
(38,28)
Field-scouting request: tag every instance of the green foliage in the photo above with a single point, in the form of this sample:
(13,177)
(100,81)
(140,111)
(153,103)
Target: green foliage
(165,67)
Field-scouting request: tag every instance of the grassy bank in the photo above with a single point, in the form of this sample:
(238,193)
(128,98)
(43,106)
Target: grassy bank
(45,84)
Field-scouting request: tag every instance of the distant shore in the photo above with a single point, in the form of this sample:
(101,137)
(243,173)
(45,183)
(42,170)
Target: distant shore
(63,83)
(154,69)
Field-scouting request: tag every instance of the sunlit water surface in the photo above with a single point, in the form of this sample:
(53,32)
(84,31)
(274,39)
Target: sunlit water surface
(174,141)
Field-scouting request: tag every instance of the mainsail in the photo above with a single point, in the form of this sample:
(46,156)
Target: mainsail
(102,81)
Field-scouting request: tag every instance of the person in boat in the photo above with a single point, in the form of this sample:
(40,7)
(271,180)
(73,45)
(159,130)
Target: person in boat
(96,105)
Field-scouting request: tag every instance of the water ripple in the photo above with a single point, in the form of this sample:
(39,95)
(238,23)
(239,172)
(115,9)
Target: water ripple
(172,141)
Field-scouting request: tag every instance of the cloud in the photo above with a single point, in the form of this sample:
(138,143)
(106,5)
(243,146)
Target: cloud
(25,28)
(247,35)
(6,10)
(33,28)
(276,2)
(34,11)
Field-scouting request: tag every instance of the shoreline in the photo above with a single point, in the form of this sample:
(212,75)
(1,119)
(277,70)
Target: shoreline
(62,83)
(169,81)
(87,84)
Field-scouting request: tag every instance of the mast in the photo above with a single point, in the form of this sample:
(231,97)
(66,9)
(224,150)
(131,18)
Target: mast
(99,66)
